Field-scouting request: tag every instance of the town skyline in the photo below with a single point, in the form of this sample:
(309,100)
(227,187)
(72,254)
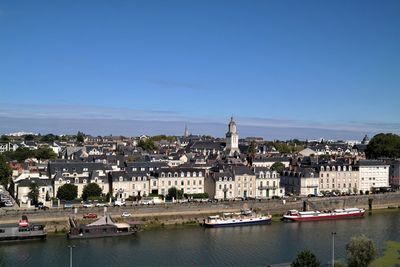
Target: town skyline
(284,70)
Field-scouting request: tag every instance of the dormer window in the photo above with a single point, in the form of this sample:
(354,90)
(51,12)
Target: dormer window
(84,181)
(169,174)
(68,181)
(200,174)
(60,180)
(85,169)
(76,180)
(133,179)
(194,174)
(142,169)
(162,174)
(182,174)
(134,169)
(175,174)
(121,178)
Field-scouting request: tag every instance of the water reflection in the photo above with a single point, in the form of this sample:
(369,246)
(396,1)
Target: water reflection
(257,245)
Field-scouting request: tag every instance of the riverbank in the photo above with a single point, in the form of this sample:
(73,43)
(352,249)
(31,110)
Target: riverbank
(155,216)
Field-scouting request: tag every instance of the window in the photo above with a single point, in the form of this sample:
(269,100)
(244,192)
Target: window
(230,186)
(169,174)
(199,182)
(144,185)
(175,174)
(188,182)
(194,174)
(182,183)
(162,183)
(162,174)
(142,169)
(200,174)
(220,186)
(321,175)
(133,186)
(169,183)
(182,174)
(154,183)
(121,179)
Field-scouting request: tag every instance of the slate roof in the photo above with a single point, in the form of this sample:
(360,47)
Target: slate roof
(38,181)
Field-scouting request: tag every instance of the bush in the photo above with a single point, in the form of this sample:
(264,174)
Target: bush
(67,192)
(197,196)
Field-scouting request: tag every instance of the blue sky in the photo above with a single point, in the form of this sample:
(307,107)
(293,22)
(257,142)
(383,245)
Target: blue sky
(284,69)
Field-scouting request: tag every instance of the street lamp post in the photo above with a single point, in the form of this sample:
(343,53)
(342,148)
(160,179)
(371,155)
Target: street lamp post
(333,249)
(70,255)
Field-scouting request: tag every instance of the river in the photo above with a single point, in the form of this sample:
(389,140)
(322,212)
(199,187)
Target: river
(257,245)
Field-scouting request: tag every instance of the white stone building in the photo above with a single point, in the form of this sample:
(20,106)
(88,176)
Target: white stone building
(373,174)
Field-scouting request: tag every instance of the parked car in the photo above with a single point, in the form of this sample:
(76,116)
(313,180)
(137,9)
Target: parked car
(41,206)
(101,204)
(275,197)
(119,203)
(126,214)
(68,205)
(8,204)
(88,205)
(90,216)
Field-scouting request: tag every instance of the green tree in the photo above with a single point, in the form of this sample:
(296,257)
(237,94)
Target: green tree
(173,192)
(147,145)
(49,138)
(45,153)
(5,172)
(306,259)
(67,192)
(4,138)
(361,251)
(251,151)
(29,137)
(33,194)
(80,137)
(91,190)
(384,145)
(278,167)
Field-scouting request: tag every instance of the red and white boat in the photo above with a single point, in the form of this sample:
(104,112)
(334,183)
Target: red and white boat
(294,215)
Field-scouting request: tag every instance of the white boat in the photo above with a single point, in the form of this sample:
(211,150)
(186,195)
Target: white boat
(245,217)
(294,215)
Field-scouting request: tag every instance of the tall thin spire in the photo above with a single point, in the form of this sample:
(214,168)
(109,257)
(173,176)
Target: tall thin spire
(186,133)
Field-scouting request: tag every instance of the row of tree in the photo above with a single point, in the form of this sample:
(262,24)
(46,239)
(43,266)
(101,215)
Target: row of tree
(70,191)
(360,251)
(23,153)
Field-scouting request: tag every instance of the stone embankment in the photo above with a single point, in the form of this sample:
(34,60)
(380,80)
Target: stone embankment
(181,213)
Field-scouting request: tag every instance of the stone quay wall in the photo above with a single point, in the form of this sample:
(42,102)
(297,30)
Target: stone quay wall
(184,212)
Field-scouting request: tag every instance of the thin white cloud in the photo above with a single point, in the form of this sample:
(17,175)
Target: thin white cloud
(179,85)
(251,125)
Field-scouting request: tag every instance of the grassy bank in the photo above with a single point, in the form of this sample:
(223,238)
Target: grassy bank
(391,256)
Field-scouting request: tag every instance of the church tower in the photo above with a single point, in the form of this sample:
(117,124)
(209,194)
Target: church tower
(186,132)
(232,139)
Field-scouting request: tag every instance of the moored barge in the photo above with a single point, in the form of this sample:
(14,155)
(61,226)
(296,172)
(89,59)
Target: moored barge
(294,215)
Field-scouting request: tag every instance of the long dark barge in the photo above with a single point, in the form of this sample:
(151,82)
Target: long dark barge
(24,231)
(103,227)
